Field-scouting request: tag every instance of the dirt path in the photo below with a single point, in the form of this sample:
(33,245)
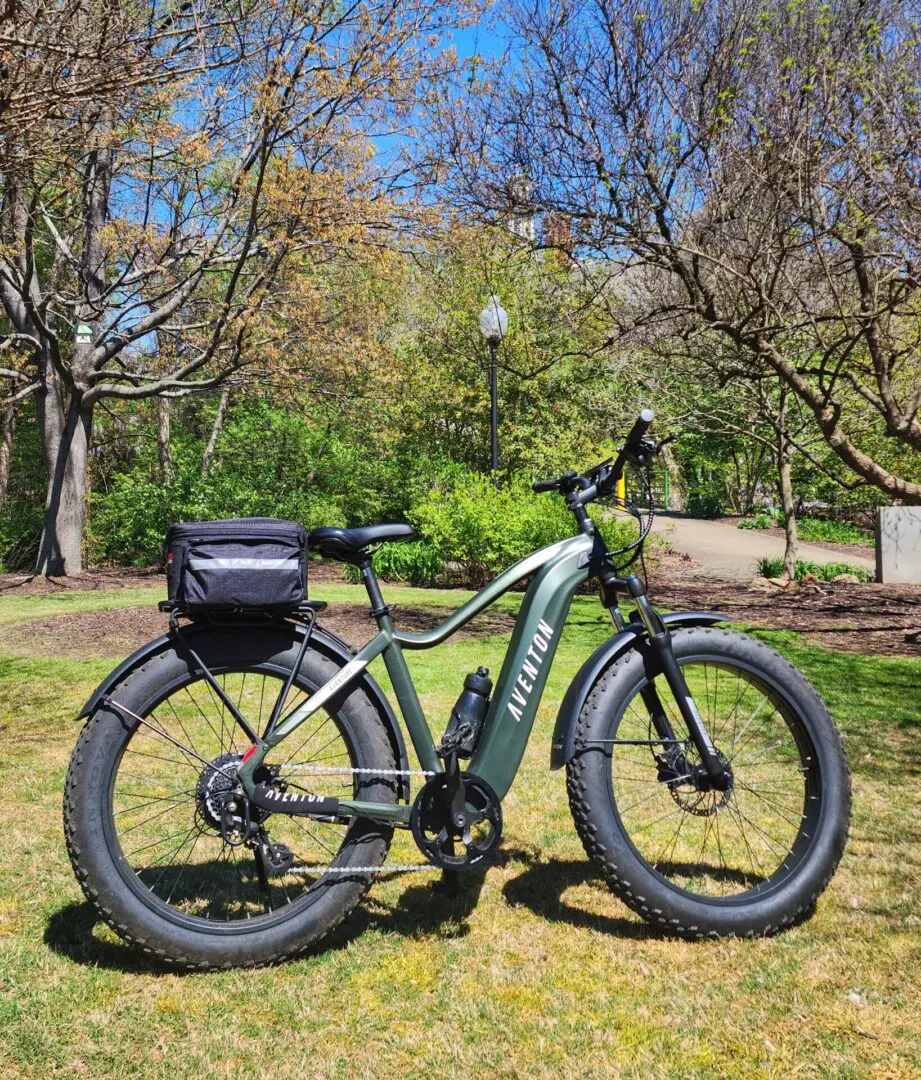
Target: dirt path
(725,552)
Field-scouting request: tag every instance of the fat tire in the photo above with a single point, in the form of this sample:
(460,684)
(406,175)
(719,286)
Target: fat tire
(605,840)
(226,945)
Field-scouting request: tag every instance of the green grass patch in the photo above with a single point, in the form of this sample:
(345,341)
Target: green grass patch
(534,970)
(833,532)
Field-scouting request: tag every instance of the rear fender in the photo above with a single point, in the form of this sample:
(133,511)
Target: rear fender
(564,732)
(323,641)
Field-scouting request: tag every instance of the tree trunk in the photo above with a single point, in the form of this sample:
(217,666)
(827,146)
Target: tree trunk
(784,462)
(163,440)
(66,434)
(7,424)
(215,432)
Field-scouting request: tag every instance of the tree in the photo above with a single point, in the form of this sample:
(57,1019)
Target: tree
(562,389)
(762,156)
(172,177)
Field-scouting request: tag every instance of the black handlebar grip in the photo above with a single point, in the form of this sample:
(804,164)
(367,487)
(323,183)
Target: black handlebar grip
(545,485)
(639,429)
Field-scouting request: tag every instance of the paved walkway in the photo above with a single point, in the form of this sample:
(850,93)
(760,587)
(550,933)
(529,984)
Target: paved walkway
(724,551)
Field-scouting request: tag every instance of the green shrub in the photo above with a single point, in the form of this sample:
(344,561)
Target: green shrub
(417,563)
(705,505)
(488,526)
(761,521)
(833,532)
(770,566)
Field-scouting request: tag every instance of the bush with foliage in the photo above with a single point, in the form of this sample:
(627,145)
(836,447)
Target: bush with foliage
(833,532)
(760,521)
(770,566)
(415,563)
(488,526)
(705,504)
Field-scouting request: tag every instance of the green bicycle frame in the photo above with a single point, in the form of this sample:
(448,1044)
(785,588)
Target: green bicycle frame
(558,570)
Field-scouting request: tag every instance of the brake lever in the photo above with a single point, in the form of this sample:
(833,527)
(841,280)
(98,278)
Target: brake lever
(665,442)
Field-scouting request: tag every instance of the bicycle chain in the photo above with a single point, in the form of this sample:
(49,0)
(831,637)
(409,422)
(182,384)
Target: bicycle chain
(405,868)
(385,869)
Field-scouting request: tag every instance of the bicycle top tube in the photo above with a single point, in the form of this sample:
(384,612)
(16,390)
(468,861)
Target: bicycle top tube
(489,594)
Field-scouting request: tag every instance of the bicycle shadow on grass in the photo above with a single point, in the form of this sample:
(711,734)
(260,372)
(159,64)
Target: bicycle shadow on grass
(432,909)
(542,886)
(435,908)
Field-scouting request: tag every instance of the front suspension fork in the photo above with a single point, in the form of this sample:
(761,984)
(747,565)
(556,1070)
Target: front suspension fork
(661,643)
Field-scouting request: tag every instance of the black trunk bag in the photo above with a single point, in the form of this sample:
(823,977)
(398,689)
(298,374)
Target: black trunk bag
(238,563)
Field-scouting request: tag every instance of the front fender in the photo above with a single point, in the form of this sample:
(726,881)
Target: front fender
(325,642)
(564,731)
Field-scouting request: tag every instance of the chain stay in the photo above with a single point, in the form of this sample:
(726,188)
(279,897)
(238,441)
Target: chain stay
(332,771)
(405,868)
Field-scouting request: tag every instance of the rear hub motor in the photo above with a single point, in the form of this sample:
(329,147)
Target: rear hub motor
(215,787)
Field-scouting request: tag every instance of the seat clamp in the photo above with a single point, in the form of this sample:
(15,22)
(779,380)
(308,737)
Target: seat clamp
(376,613)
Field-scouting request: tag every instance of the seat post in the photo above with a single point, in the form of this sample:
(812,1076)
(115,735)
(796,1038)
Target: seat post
(379,609)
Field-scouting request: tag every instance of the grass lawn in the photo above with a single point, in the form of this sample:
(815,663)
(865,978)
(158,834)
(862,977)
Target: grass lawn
(533,970)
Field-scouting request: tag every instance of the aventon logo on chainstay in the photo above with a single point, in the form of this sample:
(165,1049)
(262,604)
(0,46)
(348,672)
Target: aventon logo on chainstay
(524,684)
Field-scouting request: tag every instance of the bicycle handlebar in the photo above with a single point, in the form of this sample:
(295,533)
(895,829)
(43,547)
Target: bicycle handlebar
(603,478)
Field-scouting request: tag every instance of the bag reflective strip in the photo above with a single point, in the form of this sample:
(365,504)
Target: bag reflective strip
(244,564)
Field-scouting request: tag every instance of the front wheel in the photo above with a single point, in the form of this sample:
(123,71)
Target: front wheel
(748,860)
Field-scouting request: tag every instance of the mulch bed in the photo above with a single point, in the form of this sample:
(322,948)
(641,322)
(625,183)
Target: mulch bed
(872,619)
(882,620)
(148,577)
(93,634)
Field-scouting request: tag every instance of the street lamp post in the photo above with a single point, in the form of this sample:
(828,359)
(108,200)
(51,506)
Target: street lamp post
(493,325)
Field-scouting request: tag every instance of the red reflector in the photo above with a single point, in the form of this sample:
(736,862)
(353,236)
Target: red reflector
(249,753)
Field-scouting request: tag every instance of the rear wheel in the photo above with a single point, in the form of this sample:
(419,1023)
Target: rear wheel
(143,807)
(748,860)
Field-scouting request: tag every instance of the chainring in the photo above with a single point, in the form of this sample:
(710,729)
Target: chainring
(439,840)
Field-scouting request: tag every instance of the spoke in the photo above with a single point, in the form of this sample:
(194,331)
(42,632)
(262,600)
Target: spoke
(183,870)
(316,731)
(182,727)
(202,714)
(794,824)
(764,749)
(304,828)
(670,846)
(153,817)
(155,843)
(751,854)
(748,723)
(773,843)
(140,806)
(649,824)
(134,752)
(236,863)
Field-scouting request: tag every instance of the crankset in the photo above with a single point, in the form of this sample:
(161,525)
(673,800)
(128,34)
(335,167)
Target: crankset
(456,833)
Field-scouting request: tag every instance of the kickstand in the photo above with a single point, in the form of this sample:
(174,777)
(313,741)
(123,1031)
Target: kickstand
(448,883)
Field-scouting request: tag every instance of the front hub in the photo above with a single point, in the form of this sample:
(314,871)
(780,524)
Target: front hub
(691,786)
